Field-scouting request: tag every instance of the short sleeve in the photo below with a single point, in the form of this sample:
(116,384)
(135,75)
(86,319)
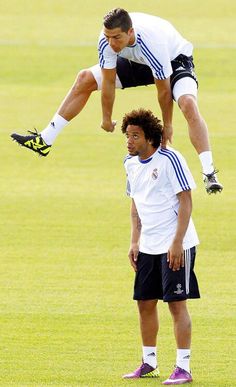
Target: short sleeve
(128,188)
(178,172)
(107,57)
(128,185)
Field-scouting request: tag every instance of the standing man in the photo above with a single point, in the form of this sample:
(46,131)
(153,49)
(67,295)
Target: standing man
(163,240)
(137,49)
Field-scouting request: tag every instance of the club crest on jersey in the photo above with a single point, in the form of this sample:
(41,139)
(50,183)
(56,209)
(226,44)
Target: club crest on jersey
(154,174)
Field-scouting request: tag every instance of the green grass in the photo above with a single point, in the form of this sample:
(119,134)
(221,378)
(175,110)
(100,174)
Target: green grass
(66,314)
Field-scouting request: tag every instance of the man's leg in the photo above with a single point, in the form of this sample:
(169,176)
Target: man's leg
(185,91)
(198,131)
(185,94)
(181,323)
(87,81)
(72,105)
(149,326)
(79,94)
(182,332)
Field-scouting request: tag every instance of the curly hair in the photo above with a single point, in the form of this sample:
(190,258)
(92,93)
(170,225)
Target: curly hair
(146,120)
(117,18)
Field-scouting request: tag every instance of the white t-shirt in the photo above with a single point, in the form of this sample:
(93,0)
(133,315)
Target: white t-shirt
(154,184)
(157,43)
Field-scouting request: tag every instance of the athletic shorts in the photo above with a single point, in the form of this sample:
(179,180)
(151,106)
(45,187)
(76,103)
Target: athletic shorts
(131,74)
(155,280)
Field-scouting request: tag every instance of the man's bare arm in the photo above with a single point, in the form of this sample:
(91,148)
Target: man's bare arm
(108,98)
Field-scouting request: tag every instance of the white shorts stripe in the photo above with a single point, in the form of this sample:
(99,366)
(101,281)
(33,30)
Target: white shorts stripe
(187,265)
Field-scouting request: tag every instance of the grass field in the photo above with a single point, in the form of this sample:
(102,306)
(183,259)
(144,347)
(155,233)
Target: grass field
(66,312)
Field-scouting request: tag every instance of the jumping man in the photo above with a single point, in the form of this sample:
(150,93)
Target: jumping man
(137,49)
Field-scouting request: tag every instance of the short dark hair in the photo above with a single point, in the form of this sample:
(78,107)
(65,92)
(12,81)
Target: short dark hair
(117,18)
(146,120)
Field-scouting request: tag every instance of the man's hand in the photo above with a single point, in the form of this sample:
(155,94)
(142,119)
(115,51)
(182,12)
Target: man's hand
(108,126)
(133,255)
(175,256)
(167,135)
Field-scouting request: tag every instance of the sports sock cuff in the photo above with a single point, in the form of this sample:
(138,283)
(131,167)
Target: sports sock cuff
(207,162)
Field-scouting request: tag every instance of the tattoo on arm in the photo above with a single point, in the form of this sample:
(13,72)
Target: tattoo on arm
(137,220)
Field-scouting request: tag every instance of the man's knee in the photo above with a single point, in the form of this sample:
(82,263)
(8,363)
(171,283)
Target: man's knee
(178,309)
(188,105)
(85,82)
(147,306)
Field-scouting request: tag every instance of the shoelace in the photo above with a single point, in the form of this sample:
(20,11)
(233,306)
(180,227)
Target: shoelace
(35,133)
(211,175)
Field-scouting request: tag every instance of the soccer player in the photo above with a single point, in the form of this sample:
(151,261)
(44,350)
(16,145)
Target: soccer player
(163,240)
(137,49)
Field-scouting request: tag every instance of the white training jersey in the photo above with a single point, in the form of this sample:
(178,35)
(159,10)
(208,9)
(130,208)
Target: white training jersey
(157,43)
(154,184)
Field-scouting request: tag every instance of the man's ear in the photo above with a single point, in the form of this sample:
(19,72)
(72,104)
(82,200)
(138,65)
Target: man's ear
(130,31)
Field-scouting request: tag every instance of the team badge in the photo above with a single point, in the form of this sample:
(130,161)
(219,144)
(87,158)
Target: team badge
(154,174)
(179,290)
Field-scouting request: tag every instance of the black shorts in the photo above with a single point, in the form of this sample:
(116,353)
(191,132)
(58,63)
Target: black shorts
(132,74)
(155,280)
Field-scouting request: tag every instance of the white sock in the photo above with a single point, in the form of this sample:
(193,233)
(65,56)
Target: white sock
(207,162)
(50,133)
(183,359)
(150,356)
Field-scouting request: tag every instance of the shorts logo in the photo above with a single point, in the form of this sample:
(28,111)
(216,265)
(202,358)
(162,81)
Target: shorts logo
(179,290)
(154,174)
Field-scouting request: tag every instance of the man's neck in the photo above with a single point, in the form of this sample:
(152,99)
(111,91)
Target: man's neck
(148,154)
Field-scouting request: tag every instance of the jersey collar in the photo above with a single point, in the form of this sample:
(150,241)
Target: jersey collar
(146,161)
